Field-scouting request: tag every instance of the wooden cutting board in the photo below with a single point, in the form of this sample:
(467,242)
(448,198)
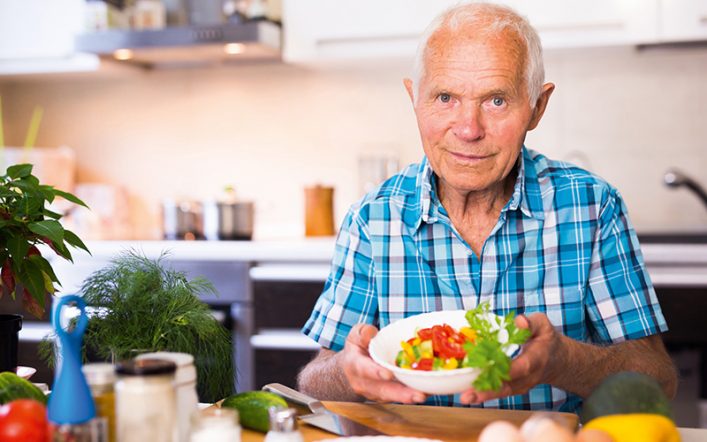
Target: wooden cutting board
(444,423)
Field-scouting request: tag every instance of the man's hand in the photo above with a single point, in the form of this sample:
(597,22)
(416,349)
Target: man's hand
(367,378)
(537,363)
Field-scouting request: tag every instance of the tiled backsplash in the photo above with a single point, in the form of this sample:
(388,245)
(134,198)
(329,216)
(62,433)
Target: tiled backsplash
(271,130)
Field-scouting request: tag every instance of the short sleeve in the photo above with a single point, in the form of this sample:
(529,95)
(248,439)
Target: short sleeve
(621,300)
(349,296)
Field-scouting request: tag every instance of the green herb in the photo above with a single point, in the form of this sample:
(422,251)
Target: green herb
(488,353)
(25,222)
(148,307)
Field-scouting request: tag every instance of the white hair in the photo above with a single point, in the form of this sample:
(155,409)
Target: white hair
(486,19)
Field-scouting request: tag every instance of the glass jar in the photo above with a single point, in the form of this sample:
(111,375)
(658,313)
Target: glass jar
(185,387)
(215,425)
(101,381)
(145,401)
(283,426)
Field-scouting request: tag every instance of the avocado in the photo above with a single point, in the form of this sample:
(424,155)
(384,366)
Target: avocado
(626,392)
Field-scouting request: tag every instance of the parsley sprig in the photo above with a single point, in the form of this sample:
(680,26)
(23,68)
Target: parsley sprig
(495,335)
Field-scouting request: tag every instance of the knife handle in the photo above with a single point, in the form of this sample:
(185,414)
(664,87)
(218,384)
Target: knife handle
(294,396)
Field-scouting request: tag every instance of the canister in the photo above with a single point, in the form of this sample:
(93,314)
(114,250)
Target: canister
(185,387)
(319,211)
(145,401)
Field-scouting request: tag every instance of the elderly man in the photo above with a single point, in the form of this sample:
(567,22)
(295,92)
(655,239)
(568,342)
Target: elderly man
(483,218)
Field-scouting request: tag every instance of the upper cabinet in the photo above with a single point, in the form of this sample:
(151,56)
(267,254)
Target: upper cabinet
(581,23)
(683,20)
(38,36)
(317,30)
(329,30)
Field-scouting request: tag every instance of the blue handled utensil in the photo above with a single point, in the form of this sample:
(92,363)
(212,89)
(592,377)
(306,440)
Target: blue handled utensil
(70,401)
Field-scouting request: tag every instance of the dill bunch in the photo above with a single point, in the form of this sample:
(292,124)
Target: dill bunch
(146,306)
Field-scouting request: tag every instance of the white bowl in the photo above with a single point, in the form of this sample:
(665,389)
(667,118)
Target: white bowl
(384,347)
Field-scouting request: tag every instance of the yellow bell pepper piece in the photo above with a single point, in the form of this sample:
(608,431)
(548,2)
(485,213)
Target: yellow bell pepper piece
(450,364)
(469,333)
(636,427)
(407,348)
(416,341)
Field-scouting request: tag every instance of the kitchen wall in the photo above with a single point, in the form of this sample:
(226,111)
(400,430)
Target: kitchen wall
(272,129)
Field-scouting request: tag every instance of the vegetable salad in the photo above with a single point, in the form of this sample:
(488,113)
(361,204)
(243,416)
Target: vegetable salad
(484,344)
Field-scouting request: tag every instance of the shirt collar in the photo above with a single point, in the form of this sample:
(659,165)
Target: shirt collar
(526,192)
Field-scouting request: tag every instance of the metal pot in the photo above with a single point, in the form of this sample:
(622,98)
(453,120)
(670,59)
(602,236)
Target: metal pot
(183,219)
(235,220)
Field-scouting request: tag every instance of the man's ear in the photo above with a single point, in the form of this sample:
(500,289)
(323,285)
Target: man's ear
(408,87)
(540,105)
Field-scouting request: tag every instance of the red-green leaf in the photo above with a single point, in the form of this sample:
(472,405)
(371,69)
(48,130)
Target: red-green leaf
(70,197)
(44,265)
(71,238)
(61,250)
(48,192)
(49,214)
(19,170)
(18,247)
(49,228)
(32,278)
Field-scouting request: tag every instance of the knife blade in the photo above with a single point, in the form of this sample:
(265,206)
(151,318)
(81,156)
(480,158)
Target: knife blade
(321,417)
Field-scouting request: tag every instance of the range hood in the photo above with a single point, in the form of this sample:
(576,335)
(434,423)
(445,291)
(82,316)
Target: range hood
(192,46)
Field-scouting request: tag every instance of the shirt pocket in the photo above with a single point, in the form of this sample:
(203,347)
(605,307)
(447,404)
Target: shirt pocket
(564,307)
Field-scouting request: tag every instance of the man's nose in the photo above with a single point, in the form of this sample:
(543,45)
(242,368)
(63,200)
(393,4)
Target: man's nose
(469,125)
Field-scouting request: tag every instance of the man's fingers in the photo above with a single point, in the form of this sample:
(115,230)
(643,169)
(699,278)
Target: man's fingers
(396,392)
(521,366)
(361,334)
(522,322)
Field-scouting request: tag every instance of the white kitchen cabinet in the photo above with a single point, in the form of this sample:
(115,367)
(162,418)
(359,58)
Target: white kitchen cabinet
(332,30)
(682,20)
(581,23)
(37,36)
(32,29)
(321,30)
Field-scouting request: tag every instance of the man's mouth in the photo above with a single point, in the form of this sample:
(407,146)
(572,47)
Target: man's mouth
(469,158)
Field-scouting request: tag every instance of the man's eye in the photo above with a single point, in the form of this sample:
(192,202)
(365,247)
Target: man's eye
(498,101)
(444,98)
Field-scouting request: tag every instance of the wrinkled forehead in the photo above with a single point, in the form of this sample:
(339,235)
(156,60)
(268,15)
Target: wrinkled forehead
(506,45)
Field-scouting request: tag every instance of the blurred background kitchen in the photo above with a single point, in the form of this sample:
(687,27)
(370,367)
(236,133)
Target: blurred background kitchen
(167,104)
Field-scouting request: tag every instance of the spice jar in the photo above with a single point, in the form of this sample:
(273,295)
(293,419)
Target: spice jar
(101,380)
(185,387)
(145,401)
(283,426)
(215,425)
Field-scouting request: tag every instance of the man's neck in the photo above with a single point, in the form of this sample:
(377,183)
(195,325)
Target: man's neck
(475,213)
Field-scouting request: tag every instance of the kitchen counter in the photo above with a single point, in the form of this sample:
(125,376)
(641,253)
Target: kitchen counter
(293,250)
(448,424)
(668,264)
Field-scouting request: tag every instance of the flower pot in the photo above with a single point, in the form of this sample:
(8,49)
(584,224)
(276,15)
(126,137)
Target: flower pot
(10,326)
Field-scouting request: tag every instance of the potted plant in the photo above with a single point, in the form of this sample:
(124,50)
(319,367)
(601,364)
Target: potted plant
(25,223)
(144,306)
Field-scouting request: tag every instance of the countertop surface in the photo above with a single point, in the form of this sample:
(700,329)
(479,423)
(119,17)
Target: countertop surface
(448,424)
(309,258)
(322,249)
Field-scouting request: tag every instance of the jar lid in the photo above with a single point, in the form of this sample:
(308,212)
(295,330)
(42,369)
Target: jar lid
(146,367)
(283,420)
(100,373)
(180,359)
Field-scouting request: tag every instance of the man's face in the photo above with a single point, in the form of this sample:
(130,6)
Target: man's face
(473,110)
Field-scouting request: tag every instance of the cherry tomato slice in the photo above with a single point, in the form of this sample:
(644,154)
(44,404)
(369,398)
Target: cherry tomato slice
(424,364)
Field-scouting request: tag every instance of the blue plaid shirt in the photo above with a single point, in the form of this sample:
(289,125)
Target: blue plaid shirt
(563,246)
